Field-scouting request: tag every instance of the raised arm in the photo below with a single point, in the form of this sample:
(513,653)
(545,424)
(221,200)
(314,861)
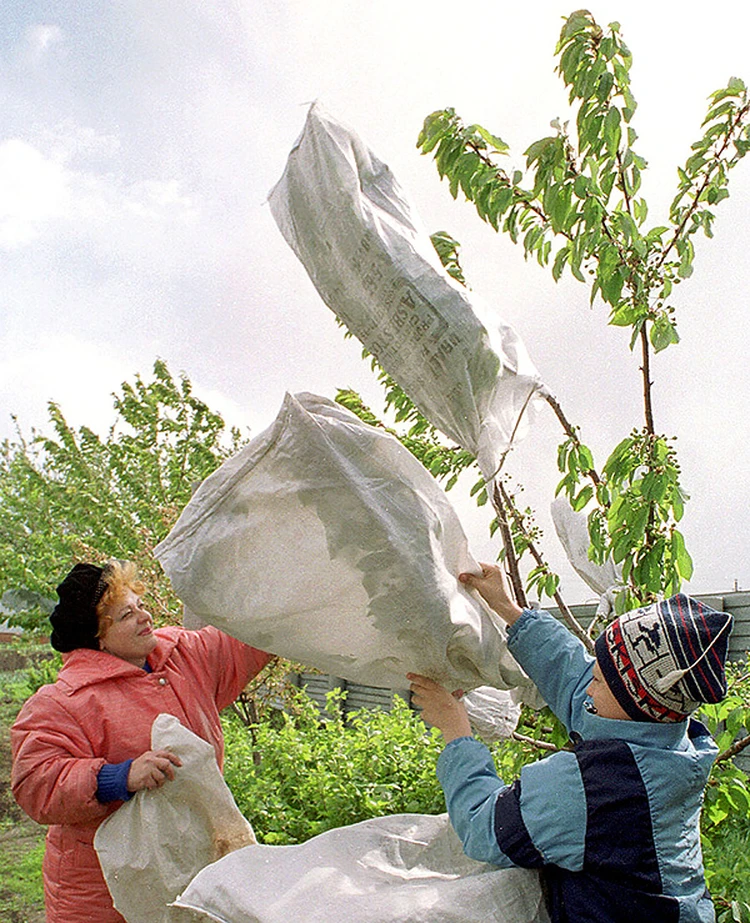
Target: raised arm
(493,587)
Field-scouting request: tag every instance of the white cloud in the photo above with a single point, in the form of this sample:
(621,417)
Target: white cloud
(33,191)
(37,189)
(154,199)
(81,376)
(78,375)
(69,142)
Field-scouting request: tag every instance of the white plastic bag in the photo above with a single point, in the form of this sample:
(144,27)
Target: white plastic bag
(605,579)
(346,217)
(154,844)
(326,542)
(406,868)
(493,713)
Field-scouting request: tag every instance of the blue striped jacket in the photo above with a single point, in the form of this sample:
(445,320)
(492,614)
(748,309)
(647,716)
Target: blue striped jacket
(612,824)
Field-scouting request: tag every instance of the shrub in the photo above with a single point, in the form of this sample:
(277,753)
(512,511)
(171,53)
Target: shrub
(315,771)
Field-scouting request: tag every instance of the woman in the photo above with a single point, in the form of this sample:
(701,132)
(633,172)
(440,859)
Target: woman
(82,745)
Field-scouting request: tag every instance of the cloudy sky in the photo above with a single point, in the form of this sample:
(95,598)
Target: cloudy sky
(138,143)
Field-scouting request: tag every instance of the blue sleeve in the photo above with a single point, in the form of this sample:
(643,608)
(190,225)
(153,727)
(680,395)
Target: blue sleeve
(539,820)
(112,782)
(556,661)
(467,774)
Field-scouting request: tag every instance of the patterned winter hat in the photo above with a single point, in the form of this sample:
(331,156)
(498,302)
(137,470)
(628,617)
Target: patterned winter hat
(663,660)
(74,620)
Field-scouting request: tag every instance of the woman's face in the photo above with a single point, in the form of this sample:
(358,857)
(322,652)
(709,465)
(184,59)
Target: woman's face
(129,631)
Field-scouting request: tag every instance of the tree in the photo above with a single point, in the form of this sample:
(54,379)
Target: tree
(75,496)
(581,209)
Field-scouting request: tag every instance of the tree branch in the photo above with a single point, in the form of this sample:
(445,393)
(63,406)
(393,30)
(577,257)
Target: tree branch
(539,744)
(570,620)
(706,179)
(570,431)
(737,747)
(511,559)
(646,371)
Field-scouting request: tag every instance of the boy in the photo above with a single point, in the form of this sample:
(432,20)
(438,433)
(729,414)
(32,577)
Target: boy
(614,823)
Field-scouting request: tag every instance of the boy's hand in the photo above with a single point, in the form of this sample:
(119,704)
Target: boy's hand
(440,707)
(492,586)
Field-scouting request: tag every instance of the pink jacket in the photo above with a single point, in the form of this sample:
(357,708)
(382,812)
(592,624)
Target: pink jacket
(99,711)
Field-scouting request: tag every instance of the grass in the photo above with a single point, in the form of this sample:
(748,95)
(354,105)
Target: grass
(21,891)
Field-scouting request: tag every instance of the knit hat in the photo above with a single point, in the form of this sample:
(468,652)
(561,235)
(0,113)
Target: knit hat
(662,661)
(74,620)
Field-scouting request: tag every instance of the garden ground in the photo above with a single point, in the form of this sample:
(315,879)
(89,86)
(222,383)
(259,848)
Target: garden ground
(21,839)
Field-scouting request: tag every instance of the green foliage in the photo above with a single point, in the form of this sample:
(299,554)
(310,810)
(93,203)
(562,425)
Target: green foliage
(74,495)
(583,189)
(728,792)
(725,825)
(317,771)
(296,775)
(578,206)
(40,673)
(447,249)
(726,856)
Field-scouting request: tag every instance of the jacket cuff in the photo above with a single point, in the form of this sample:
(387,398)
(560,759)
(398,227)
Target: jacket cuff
(526,617)
(112,782)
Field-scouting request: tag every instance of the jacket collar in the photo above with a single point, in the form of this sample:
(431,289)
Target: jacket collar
(85,667)
(666,735)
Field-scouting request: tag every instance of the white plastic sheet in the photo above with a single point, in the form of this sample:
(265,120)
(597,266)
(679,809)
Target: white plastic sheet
(346,217)
(493,713)
(572,530)
(154,844)
(326,542)
(406,868)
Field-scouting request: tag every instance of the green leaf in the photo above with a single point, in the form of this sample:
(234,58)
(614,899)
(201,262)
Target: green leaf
(561,258)
(685,269)
(636,522)
(618,463)
(716,112)
(434,128)
(537,149)
(604,87)
(497,143)
(581,186)
(567,484)
(612,132)
(583,497)
(654,486)
(586,459)
(551,584)
(682,560)
(663,333)
(611,286)
(476,487)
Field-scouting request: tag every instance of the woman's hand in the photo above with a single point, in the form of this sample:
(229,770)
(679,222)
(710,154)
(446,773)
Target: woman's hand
(492,586)
(151,770)
(440,707)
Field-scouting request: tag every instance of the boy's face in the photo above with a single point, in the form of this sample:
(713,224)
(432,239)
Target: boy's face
(605,703)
